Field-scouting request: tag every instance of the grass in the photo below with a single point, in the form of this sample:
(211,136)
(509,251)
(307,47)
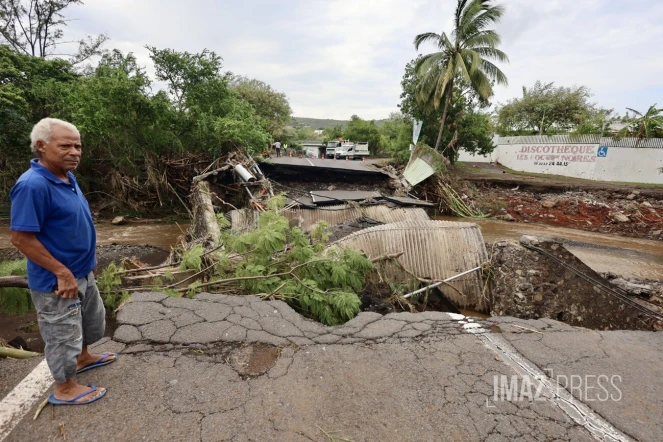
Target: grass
(14,300)
(495,205)
(466,167)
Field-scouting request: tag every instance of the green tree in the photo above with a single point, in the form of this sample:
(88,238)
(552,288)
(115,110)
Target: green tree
(396,132)
(30,88)
(271,107)
(212,117)
(545,109)
(183,71)
(334,133)
(466,55)
(359,130)
(647,125)
(306,133)
(596,122)
(468,126)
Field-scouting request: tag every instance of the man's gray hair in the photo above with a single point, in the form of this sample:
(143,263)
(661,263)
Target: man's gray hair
(42,131)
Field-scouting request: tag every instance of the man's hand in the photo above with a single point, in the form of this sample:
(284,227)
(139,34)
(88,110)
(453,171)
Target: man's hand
(67,287)
(30,246)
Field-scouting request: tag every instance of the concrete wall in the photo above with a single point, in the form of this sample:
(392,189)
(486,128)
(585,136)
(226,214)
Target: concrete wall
(641,165)
(588,161)
(574,160)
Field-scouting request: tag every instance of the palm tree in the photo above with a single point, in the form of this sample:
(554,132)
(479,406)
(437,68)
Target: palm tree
(645,125)
(467,57)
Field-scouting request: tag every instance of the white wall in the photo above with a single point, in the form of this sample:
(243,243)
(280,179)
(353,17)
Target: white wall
(574,160)
(588,161)
(637,165)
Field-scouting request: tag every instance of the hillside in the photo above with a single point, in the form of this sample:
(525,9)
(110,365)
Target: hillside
(321,123)
(317,123)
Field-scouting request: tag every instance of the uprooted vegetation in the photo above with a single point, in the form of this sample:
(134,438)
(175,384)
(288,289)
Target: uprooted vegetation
(275,260)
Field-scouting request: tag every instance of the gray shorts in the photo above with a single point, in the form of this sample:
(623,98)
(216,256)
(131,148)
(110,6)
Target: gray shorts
(66,325)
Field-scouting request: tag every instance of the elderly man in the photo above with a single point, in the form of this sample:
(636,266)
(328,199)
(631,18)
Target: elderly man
(52,226)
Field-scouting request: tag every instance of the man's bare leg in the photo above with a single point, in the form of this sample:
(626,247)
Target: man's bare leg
(70,389)
(86,358)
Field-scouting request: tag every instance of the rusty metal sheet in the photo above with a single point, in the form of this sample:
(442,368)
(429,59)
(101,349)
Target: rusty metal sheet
(433,250)
(336,196)
(245,220)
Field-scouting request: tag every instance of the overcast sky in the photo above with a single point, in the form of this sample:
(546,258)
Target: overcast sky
(335,58)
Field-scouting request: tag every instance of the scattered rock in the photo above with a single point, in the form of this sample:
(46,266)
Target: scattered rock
(506,217)
(647,204)
(620,217)
(119,221)
(630,197)
(656,232)
(548,204)
(529,240)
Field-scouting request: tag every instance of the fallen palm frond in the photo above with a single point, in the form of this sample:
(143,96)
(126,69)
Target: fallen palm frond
(456,204)
(9,352)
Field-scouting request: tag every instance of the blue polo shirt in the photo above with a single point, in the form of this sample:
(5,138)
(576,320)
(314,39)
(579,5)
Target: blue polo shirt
(60,216)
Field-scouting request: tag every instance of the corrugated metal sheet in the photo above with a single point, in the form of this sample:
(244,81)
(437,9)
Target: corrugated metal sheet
(434,250)
(245,220)
(331,196)
(582,139)
(417,170)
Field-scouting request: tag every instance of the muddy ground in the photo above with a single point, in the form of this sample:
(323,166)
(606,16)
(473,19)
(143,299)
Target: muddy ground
(618,208)
(25,326)
(531,285)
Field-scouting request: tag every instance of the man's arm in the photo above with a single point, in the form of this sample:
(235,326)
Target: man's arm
(31,247)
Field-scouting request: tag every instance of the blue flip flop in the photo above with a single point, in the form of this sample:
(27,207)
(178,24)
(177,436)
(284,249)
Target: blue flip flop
(53,400)
(99,362)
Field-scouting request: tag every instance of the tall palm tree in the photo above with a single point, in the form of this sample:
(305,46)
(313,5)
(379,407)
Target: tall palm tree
(467,55)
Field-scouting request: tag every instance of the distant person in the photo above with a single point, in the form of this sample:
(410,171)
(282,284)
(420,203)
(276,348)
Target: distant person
(285,149)
(277,146)
(52,226)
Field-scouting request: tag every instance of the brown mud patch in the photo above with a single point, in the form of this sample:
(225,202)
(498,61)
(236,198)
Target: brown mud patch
(25,326)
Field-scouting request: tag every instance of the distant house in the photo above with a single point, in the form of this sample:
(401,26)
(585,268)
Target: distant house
(318,131)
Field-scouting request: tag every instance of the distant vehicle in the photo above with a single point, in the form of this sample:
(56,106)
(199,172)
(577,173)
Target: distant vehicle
(331,148)
(343,149)
(352,151)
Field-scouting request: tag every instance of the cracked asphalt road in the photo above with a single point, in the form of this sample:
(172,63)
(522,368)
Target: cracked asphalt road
(222,368)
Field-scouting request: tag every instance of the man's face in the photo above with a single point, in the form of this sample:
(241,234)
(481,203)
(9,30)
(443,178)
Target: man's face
(63,152)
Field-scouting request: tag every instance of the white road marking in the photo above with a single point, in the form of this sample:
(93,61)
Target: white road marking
(581,414)
(21,399)
(309,161)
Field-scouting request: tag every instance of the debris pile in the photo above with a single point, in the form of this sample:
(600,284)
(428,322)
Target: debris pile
(541,279)
(627,214)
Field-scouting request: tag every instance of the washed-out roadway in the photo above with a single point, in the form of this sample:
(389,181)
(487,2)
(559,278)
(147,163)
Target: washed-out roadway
(224,368)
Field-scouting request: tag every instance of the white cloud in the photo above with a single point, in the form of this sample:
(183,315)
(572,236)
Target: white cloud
(335,58)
